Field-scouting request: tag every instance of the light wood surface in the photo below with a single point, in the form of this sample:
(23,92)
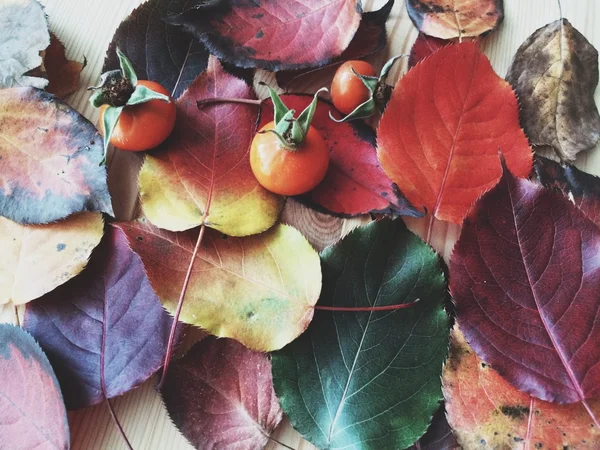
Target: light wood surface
(86,27)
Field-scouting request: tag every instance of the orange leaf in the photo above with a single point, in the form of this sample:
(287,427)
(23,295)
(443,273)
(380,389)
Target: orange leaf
(484,410)
(442,130)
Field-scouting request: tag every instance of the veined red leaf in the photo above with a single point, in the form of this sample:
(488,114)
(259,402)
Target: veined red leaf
(459,18)
(449,116)
(32,412)
(525,277)
(355,183)
(220,395)
(425,46)
(105,331)
(259,289)
(273,35)
(486,411)
(202,172)
(50,159)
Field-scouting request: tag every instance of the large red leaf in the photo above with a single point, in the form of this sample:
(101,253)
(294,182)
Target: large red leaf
(220,395)
(32,412)
(274,35)
(105,331)
(525,276)
(425,46)
(49,159)
(443,127)
(355,183)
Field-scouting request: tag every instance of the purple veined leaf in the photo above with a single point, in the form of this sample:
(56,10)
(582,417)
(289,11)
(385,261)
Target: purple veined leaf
(32,412)
(439,434)
(105,332)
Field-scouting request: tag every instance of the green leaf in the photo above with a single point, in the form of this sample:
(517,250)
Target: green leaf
(127,68)
(369,380)
(109,122)
(142,94)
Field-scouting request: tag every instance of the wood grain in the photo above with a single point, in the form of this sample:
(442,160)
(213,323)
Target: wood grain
(86,27)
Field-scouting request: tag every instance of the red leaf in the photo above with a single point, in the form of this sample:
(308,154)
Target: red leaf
(32,413)
(104,331)
(274,35)
(443,127)
(425,46)
(439,434)
(220,395)
(525,276)
(355,183)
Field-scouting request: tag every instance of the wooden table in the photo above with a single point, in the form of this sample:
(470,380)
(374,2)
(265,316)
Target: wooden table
(86,27)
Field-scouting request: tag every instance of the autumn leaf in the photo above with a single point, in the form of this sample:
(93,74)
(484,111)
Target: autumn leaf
(555,74)
(32,412)
(355,183)
(449,116)
(369,380)
(524,276)
(487,411)
(204,168)
(50,159)
(62,74)
(581,188)
(38,258)
(370,38)
(259,289)
(105,332)
(462,18)
(23,36)
(307,34)
(158,51)
(439,434)
(220,395)
(425,46)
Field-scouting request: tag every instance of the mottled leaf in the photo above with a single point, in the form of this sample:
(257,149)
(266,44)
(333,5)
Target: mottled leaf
(555,74)
(158,51)
(105,327)
(355,183)
(273,35)
(459,18)
(220,395)
(205,164)
(525,277)
(49,159)
(32,412)
(369,380)
(449,116)
(486,411)
(38,258)
(23,35)
(259,289)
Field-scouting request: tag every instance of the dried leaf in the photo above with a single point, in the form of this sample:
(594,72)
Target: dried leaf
(49,159)
(524,275)
(259,289)
(62,74)
(355,183)
(306,34)
(220,395)
(32,412)
(158,51)
(23,35)
(205,164)
(449,116)
(555,74)
(38,258)
(461,18)
(105,331)
(369,380)
(487,411)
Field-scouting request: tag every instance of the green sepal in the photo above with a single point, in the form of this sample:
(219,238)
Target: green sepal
(279,108)
(370,82)
(99,96)
(362,111)
(283,141)
(142,94)
(109,122)
(300,126)
(387,67)
(127,68)
(283,126)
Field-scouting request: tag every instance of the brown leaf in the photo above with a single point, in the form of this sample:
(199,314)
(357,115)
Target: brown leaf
(62,74)
(555,74)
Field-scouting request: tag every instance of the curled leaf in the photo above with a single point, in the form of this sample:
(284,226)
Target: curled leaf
(63,74)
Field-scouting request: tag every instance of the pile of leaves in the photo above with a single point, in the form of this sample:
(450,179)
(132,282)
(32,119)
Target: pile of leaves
(373,343)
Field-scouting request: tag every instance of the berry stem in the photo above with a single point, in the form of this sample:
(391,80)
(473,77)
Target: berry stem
(367,308)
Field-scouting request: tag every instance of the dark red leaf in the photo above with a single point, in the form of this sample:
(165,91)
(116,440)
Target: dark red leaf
(525,276)
(271,34)
(370,37)
(158,51)
(49,159)
(107,323)
(220,395)
(425,46)
(355,183)
(32,412)
(439,434)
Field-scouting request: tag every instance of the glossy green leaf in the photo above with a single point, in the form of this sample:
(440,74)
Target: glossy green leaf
(369,380)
